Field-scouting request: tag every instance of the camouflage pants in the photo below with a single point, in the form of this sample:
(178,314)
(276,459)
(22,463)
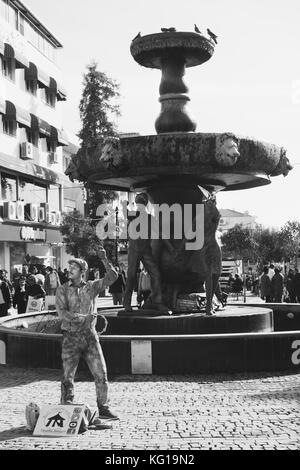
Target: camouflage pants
(83,344)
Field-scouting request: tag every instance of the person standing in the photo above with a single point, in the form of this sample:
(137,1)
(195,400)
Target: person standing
(144,287)
(297,285)
(20,298)
(40,278)
(266,286)
(75,303)
(34,289)
(5,297)
(290,286)
(52,281)
(271,271)
(277,286)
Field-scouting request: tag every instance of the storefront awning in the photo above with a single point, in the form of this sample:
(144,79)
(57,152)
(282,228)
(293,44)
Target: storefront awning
(53,134)
(52,85)
(21,61)
(17,114)
(10,110)
(9,51)
(31,72)
(34,123)
(61,93)
(26,167)
(44,128)
(58,136)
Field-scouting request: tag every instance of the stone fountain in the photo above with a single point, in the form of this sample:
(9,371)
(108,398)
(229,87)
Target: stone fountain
(176,166)
(180,166)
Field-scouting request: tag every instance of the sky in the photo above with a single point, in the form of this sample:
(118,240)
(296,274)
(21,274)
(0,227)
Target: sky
(251,86)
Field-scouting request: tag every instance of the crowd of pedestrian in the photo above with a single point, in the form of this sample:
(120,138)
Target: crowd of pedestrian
(277,286)
(33,282)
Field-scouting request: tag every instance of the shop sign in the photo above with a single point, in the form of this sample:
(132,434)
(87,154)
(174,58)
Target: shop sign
(29,233)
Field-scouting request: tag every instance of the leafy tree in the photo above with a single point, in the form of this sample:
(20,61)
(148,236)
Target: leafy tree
(262,245)
(289,239)
(239,243)
(97,108)
(81,240)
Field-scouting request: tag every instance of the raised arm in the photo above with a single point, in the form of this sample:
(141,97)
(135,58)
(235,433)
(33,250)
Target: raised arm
(110,276)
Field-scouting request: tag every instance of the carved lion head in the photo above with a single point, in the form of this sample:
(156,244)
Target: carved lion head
(227,151)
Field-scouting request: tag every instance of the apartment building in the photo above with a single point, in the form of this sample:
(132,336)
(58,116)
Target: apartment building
(34,146)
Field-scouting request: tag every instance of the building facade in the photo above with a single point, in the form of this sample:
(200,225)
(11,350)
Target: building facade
(230,218)
(34,147)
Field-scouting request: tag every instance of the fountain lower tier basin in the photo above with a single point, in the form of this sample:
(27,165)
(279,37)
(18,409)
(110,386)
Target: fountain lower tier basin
(164,353)
(220,161)
(233,320)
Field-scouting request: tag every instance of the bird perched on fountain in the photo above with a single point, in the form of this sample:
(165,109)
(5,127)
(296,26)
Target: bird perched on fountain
(212,35)
(168,30)
(137,36)
(197,29)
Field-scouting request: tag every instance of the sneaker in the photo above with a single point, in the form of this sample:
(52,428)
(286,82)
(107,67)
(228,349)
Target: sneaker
(105,413)
(98,424)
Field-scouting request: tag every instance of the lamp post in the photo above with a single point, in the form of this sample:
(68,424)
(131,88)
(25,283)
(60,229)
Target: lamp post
(117,234)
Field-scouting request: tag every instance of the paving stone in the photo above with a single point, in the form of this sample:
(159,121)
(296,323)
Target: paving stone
(238,411)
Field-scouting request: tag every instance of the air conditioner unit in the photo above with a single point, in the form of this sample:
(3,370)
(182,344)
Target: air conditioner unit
(32,212)
(26,151)
(9,210)
(42,214)
(57,218)
(53,218)
(53,158)
(20,210)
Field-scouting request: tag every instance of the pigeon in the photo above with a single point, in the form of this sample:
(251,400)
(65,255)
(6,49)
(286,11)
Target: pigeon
(137,36)
(168,30)
(212,35)
(197,29)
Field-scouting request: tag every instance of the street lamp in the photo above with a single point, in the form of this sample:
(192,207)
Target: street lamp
(117,234)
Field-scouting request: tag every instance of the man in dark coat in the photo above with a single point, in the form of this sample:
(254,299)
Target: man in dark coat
(5,298)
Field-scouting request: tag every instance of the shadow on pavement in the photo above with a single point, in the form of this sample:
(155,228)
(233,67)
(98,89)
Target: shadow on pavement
(15,377)
(14,433)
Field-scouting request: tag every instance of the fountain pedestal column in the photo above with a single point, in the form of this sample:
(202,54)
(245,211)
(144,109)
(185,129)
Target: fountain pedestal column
(174,116)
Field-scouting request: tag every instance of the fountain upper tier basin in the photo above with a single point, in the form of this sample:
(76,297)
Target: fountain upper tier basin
(151,50)
(217,161)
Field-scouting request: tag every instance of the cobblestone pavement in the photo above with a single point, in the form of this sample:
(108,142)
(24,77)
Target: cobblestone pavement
(253,411)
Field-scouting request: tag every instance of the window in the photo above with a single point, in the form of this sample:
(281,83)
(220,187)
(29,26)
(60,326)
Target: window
(4,9)
(31,192)
(51,146)
(33,136)
(31,86)
(54,197)
(8,187)
(8,67)
(21,24)
(26,191)
(69,205)
(40,194)
(9,126)
(49,97)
